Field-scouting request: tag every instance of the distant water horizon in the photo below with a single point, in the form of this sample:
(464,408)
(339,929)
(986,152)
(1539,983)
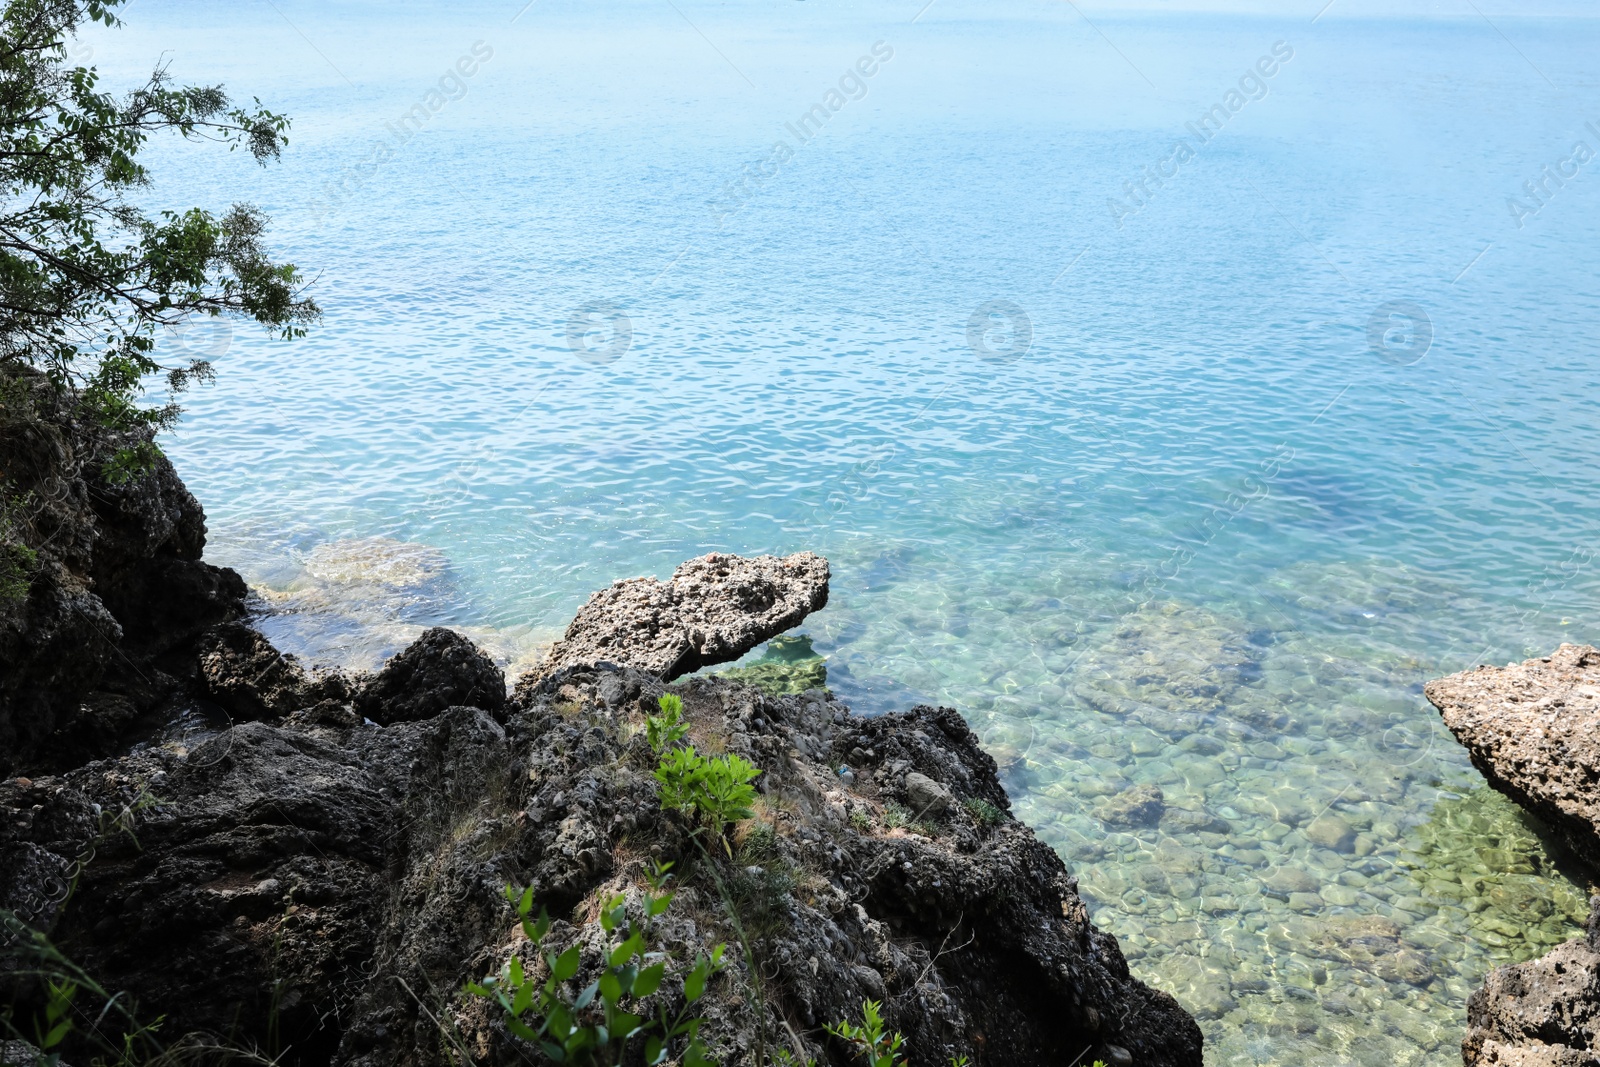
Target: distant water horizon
(1173,392)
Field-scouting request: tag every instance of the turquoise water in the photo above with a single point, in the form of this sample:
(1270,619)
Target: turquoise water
(1192,492)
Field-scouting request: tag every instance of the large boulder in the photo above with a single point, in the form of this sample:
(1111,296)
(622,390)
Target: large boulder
(713,610)
(115,593)
(438,670)
(1533,729)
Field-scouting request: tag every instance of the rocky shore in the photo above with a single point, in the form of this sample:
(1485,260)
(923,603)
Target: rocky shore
(313,863)
(1533,730)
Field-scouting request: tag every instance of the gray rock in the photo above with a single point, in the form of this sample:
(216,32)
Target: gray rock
(1533,729)
(116,584)
(241,671)
(1140,806)
(286,864)
(1330,831)
(1543,1013)
(926,796)
(439,670)
(714,609)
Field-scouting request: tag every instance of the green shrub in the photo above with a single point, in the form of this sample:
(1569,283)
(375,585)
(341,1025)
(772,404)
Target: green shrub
(983,812)
(17,564)
(717,791)
(668,728)
(878,1045)
(590,1027)
(73,1006)
(761,887)
(17,561)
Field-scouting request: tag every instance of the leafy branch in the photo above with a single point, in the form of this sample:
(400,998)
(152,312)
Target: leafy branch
(594,1026)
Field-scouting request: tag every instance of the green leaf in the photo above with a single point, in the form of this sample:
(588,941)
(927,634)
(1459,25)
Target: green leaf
(514,969)
(566,965)
(654,1051)
(523,1000)
(586,997)
(625,1025)
(521,1029)
(659,905)
(627,950)
(610,988)
(649,980)
(59,1031)
(695,984)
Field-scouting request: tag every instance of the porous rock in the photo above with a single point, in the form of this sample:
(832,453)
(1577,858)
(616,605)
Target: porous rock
(1542,1013)
(713,610)
(345,880)
(1533,730)
(438,670)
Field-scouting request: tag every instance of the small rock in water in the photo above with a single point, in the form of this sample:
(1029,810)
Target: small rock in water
(1287,880)
(1140,806)
(1330,831)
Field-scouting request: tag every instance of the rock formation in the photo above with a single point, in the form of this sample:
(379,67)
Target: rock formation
(714,609)
(1543,1013)
(320,872)
(1533,730)
(113,601)
(347,878)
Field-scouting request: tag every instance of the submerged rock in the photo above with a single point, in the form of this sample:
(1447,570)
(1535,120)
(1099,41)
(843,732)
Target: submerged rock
(714,609)
(787,665)
(308,881)
(1140,806)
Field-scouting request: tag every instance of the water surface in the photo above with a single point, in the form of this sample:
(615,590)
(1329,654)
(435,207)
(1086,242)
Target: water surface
(1195,491)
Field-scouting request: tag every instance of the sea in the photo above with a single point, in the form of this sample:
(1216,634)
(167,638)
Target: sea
(1174,388)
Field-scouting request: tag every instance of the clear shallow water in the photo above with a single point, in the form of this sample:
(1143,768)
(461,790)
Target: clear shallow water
(1204,534)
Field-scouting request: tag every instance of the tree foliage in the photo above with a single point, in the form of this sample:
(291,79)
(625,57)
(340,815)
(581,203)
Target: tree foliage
(87,275)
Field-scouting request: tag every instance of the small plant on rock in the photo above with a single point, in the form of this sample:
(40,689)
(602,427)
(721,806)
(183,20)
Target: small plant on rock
(18,562)
(591,1027)
(717,791)
(667,729)
(983,812)
(878,1045)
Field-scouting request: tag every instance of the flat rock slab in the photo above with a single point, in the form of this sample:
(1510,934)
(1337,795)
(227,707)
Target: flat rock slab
(714,609)
(1533,729)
